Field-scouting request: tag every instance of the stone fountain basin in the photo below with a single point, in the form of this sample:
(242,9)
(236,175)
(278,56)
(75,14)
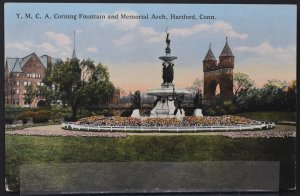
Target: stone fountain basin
(167,92)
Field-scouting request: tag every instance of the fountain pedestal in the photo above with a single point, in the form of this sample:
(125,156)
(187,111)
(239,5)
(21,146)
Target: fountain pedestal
(165,106)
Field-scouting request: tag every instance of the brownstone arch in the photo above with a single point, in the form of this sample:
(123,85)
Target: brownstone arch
(218,73)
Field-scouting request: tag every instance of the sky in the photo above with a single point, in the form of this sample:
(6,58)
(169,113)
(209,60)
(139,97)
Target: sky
(261,37)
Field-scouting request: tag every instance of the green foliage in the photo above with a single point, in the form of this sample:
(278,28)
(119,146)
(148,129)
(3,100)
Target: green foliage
(225,107)
(29,95)
(275,95)
(46,93)
(80,83)
(241,82)
(39,116)
(12,113)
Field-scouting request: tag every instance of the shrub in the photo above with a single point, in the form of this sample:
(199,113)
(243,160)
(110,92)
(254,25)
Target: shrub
(24,119)
(9,119)
(210,112)
(68,118)
(41,116)
(126,113)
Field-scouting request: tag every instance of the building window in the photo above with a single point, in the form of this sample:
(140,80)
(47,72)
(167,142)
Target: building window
(25,83)
(38,84)
(33,75)
(28,75)
(25,91)
(29,83)
(18,91)
(18,83)
(42,84)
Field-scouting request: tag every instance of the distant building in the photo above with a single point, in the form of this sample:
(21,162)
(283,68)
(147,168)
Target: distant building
(21,72)
(218,77)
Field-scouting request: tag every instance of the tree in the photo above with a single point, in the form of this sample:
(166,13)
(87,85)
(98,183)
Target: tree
(247,100)
(98,89)
(46,93)
(273,96)
(80,83)
(196,86)
(241,82)
(291,96)
(29,95)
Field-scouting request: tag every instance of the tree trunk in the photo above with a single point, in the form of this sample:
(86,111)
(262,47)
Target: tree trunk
(74,112)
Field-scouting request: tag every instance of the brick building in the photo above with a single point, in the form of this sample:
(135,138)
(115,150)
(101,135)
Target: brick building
(218,75)
(21,72)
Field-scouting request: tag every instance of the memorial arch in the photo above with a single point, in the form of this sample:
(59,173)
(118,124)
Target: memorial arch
(218,74)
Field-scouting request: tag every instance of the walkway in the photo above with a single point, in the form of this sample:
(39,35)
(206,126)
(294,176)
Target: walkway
(56,130)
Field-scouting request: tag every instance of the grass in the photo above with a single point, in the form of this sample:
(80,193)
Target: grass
(271,116)
(33,149)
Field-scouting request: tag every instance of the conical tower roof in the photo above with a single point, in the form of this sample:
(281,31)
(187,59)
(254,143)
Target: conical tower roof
(226,50)
(210,55)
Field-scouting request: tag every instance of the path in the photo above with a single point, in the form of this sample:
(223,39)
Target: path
(56,130)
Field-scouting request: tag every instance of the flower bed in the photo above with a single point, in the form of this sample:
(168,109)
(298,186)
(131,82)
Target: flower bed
(226,120)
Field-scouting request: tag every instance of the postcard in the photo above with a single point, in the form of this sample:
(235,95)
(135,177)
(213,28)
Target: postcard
(149,98)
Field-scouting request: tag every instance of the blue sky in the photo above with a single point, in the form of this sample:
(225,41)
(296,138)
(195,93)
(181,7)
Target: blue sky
(262,38)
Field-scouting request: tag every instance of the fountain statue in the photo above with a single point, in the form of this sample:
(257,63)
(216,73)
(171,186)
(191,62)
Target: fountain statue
(168,103)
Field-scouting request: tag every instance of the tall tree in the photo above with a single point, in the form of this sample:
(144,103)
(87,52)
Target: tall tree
(241,82)
(98,89)
(80,83)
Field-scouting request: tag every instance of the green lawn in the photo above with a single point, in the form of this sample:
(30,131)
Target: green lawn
(33,149)
(271,116)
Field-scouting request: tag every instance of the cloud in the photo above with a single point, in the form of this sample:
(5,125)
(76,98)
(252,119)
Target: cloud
(41,48)
(124,40)
(59,38)
(92,49)
(152,36)
(61,41)
(123,24)
(19,46)
(266,49)
(186,32)
(227,29)
(272,62)
(28,46)
(47,47)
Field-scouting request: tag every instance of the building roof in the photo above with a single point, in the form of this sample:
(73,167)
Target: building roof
(226,50)
(44,60)
(16,64)
(210,55)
